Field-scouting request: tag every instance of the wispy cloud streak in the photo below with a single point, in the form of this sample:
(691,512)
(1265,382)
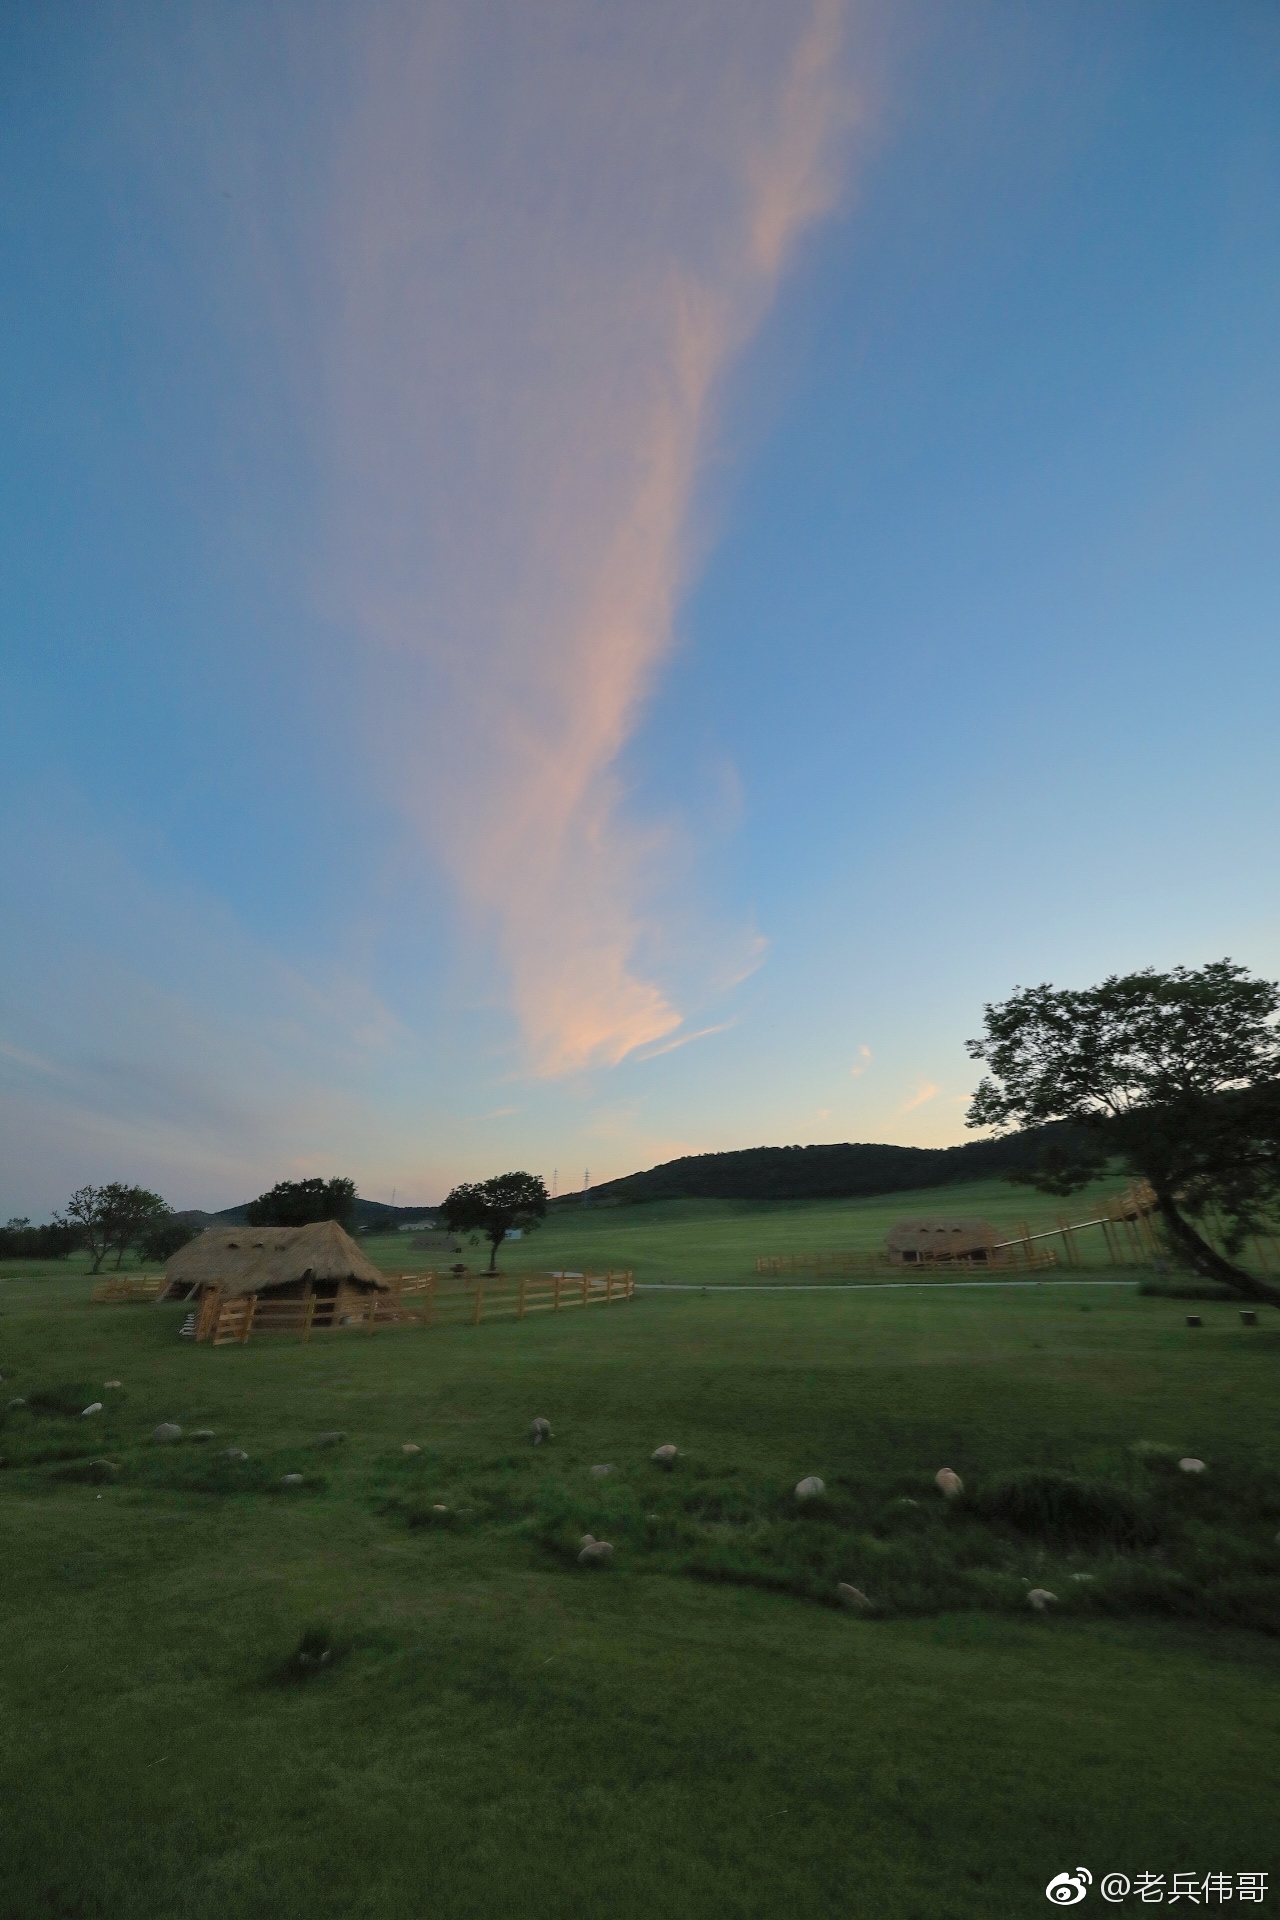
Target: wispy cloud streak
(556,227)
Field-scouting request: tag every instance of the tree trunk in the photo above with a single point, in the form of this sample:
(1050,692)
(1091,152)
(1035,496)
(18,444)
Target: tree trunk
(1207,1261)
(493,1251)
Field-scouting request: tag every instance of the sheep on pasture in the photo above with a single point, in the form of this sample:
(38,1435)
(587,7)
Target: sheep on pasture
(539,1431)
(810,1488)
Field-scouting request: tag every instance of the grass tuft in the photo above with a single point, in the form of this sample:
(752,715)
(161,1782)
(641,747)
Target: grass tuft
(1068,1509)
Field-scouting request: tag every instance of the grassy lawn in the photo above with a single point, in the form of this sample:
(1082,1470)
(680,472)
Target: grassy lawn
(695,1731)
(706,1241)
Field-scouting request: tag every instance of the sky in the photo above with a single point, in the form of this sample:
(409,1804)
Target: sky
(582,584)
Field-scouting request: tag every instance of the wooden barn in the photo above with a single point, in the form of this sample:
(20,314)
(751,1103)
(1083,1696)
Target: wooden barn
(315,1274)
(915,1242)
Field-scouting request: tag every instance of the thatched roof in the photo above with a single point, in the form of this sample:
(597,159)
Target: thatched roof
(939,1236)
(256,1259)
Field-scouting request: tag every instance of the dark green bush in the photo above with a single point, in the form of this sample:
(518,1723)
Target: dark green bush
(1067,1509)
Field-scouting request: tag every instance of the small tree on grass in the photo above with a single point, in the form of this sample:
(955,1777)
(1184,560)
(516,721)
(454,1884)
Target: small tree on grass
(111,1218)
(494,1207)
(1178,1073)
(296,1203)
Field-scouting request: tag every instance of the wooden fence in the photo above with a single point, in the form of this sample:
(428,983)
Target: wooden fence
(127,1286)
(1126,1224)
(416,1300)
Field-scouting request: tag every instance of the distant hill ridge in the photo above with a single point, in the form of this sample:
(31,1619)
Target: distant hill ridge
(847,1171)
(367,1213)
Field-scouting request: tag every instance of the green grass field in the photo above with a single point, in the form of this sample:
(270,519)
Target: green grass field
(710,1241)
(697,1730)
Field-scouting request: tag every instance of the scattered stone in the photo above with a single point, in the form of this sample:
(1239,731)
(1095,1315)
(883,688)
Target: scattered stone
(1192,1466)
(103,1470)
(1040,1598)
(853,1598)
(664,1457)
(234,1453)
(291,1480)
(1082,1576)
(598,1554)
(906,1502)
(539,1430)
(95,1406)
(410,1446)
(439,1509)
(16,1403)
(948,1483)
(331,1439)
(810,1488)
(602,1473)
(204,1433)
(658,1516)
(167,1430)
(314,1659)
(112,1383)
(587,1540)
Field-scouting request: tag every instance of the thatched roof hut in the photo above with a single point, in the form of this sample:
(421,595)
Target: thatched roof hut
(910,1241)
(278,1261)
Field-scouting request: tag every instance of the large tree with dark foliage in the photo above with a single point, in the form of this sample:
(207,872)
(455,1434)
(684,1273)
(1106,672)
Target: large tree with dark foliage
(1178,1073)
(494,1207)
(111,1218)
(296,1203)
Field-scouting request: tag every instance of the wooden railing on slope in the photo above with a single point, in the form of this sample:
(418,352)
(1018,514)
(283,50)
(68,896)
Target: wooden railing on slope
(127,1286)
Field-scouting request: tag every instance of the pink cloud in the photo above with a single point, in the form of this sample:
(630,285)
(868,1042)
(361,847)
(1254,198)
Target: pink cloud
(552,242)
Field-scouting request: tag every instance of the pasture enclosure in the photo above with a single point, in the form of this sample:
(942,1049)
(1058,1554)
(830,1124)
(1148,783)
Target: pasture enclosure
(413,1300)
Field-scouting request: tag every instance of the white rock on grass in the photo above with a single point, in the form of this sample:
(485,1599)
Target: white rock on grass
(410,1446)
(810,1488)
(111,1383)
(234,1453)
(1082,1576)
(602,1473)
(948,1483)
(664,1456)
(598,1554)
(1040,1598)
(95,1406)
(16,1403)
(291,1480)
(1192,1466)
(853,1598)
(439,1509)
(539,1430)
(167,1430)
(204,1433)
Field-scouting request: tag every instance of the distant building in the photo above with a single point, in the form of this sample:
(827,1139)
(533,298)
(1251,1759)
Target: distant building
(912,1242)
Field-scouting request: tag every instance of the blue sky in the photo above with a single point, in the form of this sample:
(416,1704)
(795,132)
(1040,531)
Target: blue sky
(580,587)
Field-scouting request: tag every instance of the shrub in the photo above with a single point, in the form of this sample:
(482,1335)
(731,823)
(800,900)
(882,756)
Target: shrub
(1066,1508)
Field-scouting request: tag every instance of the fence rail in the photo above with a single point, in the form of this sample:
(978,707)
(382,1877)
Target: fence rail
(132,1286)
(416,1299)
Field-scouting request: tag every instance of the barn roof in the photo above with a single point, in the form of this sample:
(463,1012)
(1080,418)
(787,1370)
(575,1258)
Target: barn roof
(944,1236)
(255,1259)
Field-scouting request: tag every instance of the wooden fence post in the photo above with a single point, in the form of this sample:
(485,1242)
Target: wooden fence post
(479,1308)
(608,1288)
(246,1320)
(308,1316)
